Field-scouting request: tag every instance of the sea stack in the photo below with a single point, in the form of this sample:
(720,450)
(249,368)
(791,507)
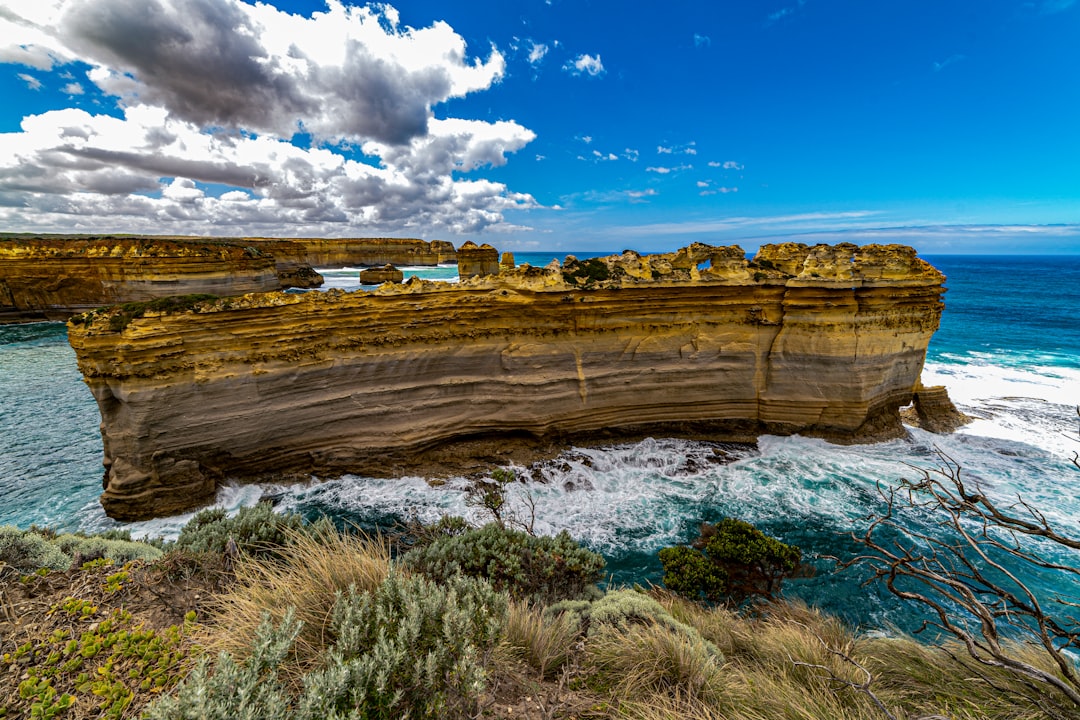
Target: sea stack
(827,341)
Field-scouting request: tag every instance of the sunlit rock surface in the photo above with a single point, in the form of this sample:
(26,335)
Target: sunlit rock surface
(51,277)
(825,341)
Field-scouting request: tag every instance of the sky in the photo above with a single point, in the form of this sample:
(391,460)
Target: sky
(536,125)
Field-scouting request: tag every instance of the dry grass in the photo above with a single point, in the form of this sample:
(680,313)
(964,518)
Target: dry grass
(545,643)
(314,570)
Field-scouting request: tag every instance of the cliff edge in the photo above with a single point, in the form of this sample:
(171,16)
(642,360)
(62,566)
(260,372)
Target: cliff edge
(826,341)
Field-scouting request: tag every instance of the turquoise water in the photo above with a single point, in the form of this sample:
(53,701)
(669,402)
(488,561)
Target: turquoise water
(1008,349)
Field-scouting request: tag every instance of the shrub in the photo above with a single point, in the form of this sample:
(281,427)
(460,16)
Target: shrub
(309,575)
(27,551)
(746,562)
(543,640)
(586,272)
(691,574)
(408,649)
(412,648)
(544,569)
(257,530)
(99,546)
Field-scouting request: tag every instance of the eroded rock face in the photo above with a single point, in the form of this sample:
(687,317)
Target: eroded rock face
(51,278)
(697,343)
(477,260)
(344,252)
(386,273)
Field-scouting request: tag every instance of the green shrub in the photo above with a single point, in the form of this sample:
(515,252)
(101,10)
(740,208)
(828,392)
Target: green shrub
(235,691)
(586,272)
(27,551)
(692,575)
(745,562)
(622,609)
(257,530)
(410,649)
(99,546)
(544,569)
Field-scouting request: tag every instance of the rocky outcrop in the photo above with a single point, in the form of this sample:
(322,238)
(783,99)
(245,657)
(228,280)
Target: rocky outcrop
(932,410)
(51,278)
(827,341)
(379,275)
(360,252)
(477,260)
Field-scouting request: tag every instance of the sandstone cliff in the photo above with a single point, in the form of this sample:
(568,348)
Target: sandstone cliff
(828,341)
(53,277)
(363,252)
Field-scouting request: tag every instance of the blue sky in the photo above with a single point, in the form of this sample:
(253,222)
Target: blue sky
(561,124)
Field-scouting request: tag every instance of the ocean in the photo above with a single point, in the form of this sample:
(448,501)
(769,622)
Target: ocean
(1008,350)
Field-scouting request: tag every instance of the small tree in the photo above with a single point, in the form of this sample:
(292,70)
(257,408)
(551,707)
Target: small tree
(732,561)
(974,574)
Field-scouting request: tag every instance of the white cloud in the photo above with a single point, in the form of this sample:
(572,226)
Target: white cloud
(31,82)
(702,40)
(72,88)
(631,154)
(666,170)
(585,65)
(348,73)
(537,53)
(213,92)
(702,184)
(587,139)
(687,149)
(726,165)
(717,191)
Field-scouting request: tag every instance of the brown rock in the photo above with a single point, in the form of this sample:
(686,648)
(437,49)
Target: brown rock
(477,261)
(376,276)
(932,410)
(690,343)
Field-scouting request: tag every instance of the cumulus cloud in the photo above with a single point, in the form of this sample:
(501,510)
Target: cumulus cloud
(349,73)
(68,167)
(585,65)
(212,92)
(73,88)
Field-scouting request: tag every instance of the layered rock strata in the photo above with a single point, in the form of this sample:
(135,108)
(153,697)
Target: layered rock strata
(360,252)
(379,275)
(52,277)
(827,341)
(49,278)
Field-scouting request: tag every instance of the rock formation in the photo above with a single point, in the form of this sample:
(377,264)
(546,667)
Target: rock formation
(826,341)
(51,277)
(932,410)
(359,252)
(379,275)
(477,260)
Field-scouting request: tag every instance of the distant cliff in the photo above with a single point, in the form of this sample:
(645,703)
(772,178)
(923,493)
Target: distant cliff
(364,252)
(827,341)
(53,277)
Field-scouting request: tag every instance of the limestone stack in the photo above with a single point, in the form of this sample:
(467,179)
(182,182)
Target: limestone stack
(52,278)
(826,341)
(477,260)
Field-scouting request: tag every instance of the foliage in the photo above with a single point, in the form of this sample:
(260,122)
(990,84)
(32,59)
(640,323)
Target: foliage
(309,574)
(27,551)
(544,640)
(104,662)
(747,562)
(586,272)
(691,574)
(120,316)
(409,649)
(257,530)
(544,569)
(100,546)
(976,574)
